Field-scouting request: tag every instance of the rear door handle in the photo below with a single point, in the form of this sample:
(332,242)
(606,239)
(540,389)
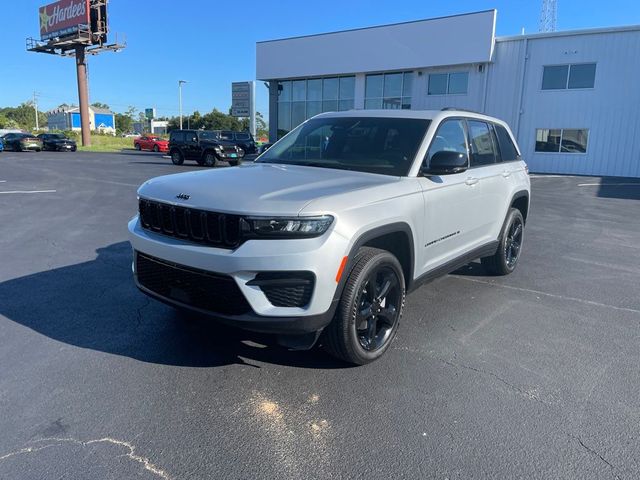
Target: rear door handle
(506,174)
(471,181)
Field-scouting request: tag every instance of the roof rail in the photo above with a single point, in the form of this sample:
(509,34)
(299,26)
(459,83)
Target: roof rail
(460,110)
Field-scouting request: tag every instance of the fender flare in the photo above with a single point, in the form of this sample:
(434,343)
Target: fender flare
(397,227)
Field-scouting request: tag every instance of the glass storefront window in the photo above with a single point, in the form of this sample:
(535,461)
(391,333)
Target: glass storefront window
(393,85)
(330,89)
(388,90)
(313,109)
(347,88)
(298,113)
(299,100)
(373,88)
(284,91)
(329,105)
(314,90)
(345,105)
(298,91)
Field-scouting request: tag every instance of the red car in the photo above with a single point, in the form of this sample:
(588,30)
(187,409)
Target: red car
(152,143)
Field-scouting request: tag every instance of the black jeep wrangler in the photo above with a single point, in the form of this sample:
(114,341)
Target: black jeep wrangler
(204,147)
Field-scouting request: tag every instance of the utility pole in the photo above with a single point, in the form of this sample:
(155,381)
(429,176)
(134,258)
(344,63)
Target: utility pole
(83,95)
(180,83)
(35,107)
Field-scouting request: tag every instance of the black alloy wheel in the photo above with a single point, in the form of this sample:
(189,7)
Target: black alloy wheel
(210,159)
(138,147)
(177,158)
(513,242)
(370,308)
(156,149)
(379,308)
(505,260)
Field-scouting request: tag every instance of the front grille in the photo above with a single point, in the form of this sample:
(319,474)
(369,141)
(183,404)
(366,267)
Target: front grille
(200,226)
(213,292)
(286,289)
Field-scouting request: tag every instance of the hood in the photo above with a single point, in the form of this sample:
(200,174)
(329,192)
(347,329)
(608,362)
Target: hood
(258,189)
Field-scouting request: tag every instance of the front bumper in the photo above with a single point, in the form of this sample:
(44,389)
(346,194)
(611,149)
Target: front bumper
(320,256)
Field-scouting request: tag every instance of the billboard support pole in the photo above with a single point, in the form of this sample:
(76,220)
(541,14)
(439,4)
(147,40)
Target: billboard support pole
(83,95)
(252,111)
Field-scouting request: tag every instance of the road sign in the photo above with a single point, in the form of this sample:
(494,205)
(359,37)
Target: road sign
(149,113)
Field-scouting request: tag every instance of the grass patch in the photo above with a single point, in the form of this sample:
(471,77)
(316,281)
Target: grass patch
(105,143)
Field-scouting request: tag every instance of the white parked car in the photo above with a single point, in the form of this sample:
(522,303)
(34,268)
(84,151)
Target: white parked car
(323,236)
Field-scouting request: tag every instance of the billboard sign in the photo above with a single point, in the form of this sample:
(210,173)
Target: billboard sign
(149,113)
(63,18)
(241,99)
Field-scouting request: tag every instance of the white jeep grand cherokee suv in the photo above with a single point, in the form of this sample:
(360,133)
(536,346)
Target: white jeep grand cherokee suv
(323,236)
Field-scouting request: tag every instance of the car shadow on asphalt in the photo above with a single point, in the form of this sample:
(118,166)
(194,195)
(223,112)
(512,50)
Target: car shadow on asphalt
(95,305)
(473,269)
(621,188)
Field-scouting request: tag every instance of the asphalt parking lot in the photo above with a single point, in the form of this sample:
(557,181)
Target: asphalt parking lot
(535,375)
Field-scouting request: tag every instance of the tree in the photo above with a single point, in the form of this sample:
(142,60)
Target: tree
(124,123)
(101,105)
(23,116)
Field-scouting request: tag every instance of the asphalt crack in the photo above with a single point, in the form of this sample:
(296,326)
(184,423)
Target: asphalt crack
(57,442)
(511,386)
(596,454)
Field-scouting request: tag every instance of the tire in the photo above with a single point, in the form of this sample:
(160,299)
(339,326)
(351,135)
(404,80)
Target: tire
(210,159)
(357,337)
(138,147)
(505,260)
(156,149)
(176,157)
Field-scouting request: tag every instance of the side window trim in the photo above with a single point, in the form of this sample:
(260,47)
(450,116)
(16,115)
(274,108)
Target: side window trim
(463,122)
(515,144)
(489,127)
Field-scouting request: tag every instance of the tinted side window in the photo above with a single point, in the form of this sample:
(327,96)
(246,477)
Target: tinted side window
(177,137)
(242,136)
(508,150)
(482,149)
(450,136)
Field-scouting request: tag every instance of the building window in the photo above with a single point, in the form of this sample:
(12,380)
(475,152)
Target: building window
(567,140)
(299,100)
(455,83)
(562,77)
(388,90)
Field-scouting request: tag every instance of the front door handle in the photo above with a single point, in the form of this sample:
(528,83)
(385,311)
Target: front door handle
(471,181)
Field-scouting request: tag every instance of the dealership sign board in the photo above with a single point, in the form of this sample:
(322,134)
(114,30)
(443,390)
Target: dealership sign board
(241,99)
(63,18)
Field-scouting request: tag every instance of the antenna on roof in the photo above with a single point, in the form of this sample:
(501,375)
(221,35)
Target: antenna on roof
(548,16)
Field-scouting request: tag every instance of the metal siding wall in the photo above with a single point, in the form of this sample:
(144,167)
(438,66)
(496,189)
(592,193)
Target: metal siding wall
(609,110)
(505,78)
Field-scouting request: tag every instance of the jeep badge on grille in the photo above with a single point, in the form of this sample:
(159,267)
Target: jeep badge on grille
(183,196)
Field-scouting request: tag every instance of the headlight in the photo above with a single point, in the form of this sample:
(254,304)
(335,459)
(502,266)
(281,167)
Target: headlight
(257,227)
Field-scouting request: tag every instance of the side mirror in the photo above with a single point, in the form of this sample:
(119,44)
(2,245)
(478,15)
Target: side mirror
(446,162)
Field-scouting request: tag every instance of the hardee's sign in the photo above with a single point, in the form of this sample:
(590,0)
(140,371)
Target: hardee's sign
(63,17)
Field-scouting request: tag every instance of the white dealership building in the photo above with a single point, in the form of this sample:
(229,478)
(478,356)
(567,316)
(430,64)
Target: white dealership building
(571,98)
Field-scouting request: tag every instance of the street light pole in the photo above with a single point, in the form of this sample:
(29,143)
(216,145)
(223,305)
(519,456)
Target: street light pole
(180,83)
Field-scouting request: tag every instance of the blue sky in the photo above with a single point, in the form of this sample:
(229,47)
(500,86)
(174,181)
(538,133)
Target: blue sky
(212,43)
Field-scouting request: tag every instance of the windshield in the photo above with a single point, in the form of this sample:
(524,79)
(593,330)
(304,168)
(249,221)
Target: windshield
(57,135)
(242,136)
(367,144)
(206,135)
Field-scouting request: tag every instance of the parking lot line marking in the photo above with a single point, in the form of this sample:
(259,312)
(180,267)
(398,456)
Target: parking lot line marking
(3,181)
(609,184)
(31,191)
(551,295)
